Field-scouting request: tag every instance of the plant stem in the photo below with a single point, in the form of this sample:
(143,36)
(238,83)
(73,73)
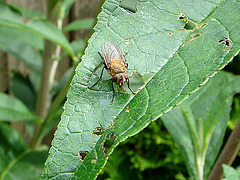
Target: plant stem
(58,100)
(228,154)
(47,76)
(13,162)
(43,100)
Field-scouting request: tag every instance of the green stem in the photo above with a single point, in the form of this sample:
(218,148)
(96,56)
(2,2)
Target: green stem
(58,100)
(200,155)
(47,76)
(13,162)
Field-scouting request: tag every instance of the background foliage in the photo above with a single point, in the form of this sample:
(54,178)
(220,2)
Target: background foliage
(171,53)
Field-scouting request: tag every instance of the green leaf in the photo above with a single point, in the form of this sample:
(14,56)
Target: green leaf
(66,6)
(179,60)
(11,109)
(19,44)
(78,47)
(82,24)
(17,161)
(11,36)
(230,173)
(39,26)
(198,124)
(23,89)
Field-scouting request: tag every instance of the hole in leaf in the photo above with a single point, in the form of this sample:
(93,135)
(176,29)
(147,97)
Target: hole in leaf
(129,5)
(127,109)
(112,124)
(226,42)
(195,35)
(108,142)
(202,25)
(98,131)
(93,161)
(190,25)
(182,17)
(82,154)
(127,41)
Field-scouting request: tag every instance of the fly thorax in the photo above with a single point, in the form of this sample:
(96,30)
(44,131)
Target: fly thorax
(117,66)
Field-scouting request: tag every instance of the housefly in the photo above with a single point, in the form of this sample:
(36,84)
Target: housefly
(114,62)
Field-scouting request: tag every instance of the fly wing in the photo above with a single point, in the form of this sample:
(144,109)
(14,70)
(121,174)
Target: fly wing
(111,51)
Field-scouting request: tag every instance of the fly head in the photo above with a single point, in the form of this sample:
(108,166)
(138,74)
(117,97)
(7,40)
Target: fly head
(120,79)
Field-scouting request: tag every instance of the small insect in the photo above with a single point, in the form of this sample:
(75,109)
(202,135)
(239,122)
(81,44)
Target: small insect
(114,62)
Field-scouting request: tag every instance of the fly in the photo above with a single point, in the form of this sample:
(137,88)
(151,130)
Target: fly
(114,62)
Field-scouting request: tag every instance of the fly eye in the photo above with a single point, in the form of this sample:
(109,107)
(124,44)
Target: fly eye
(120,78)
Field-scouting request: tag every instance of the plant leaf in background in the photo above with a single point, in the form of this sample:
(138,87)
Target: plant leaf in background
(23,89)
(22,45)
(17,161)
(12,18)
(199,123)
(12,109)
(82,24)
(180,60)
(230,173)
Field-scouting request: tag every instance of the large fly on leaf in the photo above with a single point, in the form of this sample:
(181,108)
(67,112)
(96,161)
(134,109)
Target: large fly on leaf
(114,62)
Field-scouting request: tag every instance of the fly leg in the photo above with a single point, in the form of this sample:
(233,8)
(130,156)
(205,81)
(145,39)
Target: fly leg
(100,78)
(101,56)
(113,92)
(129,87)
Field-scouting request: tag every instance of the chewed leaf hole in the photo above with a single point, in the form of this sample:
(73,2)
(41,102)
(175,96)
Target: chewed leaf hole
(129,5)
(226,42)
(108,142)
(202,25)
(182,17)
(82,154)
(195,35)
(98,131)
(190,25)
(127,41)
(93,161)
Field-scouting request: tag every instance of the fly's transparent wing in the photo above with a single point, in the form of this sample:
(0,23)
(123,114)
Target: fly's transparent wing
(111,51)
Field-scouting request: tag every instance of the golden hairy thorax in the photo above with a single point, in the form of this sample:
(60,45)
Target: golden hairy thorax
(117,66)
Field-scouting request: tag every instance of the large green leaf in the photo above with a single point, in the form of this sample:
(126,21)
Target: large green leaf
(22,45)
(12,109)
(17,161)
(198,125)
(14,18)
(154,37)
(11,36)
